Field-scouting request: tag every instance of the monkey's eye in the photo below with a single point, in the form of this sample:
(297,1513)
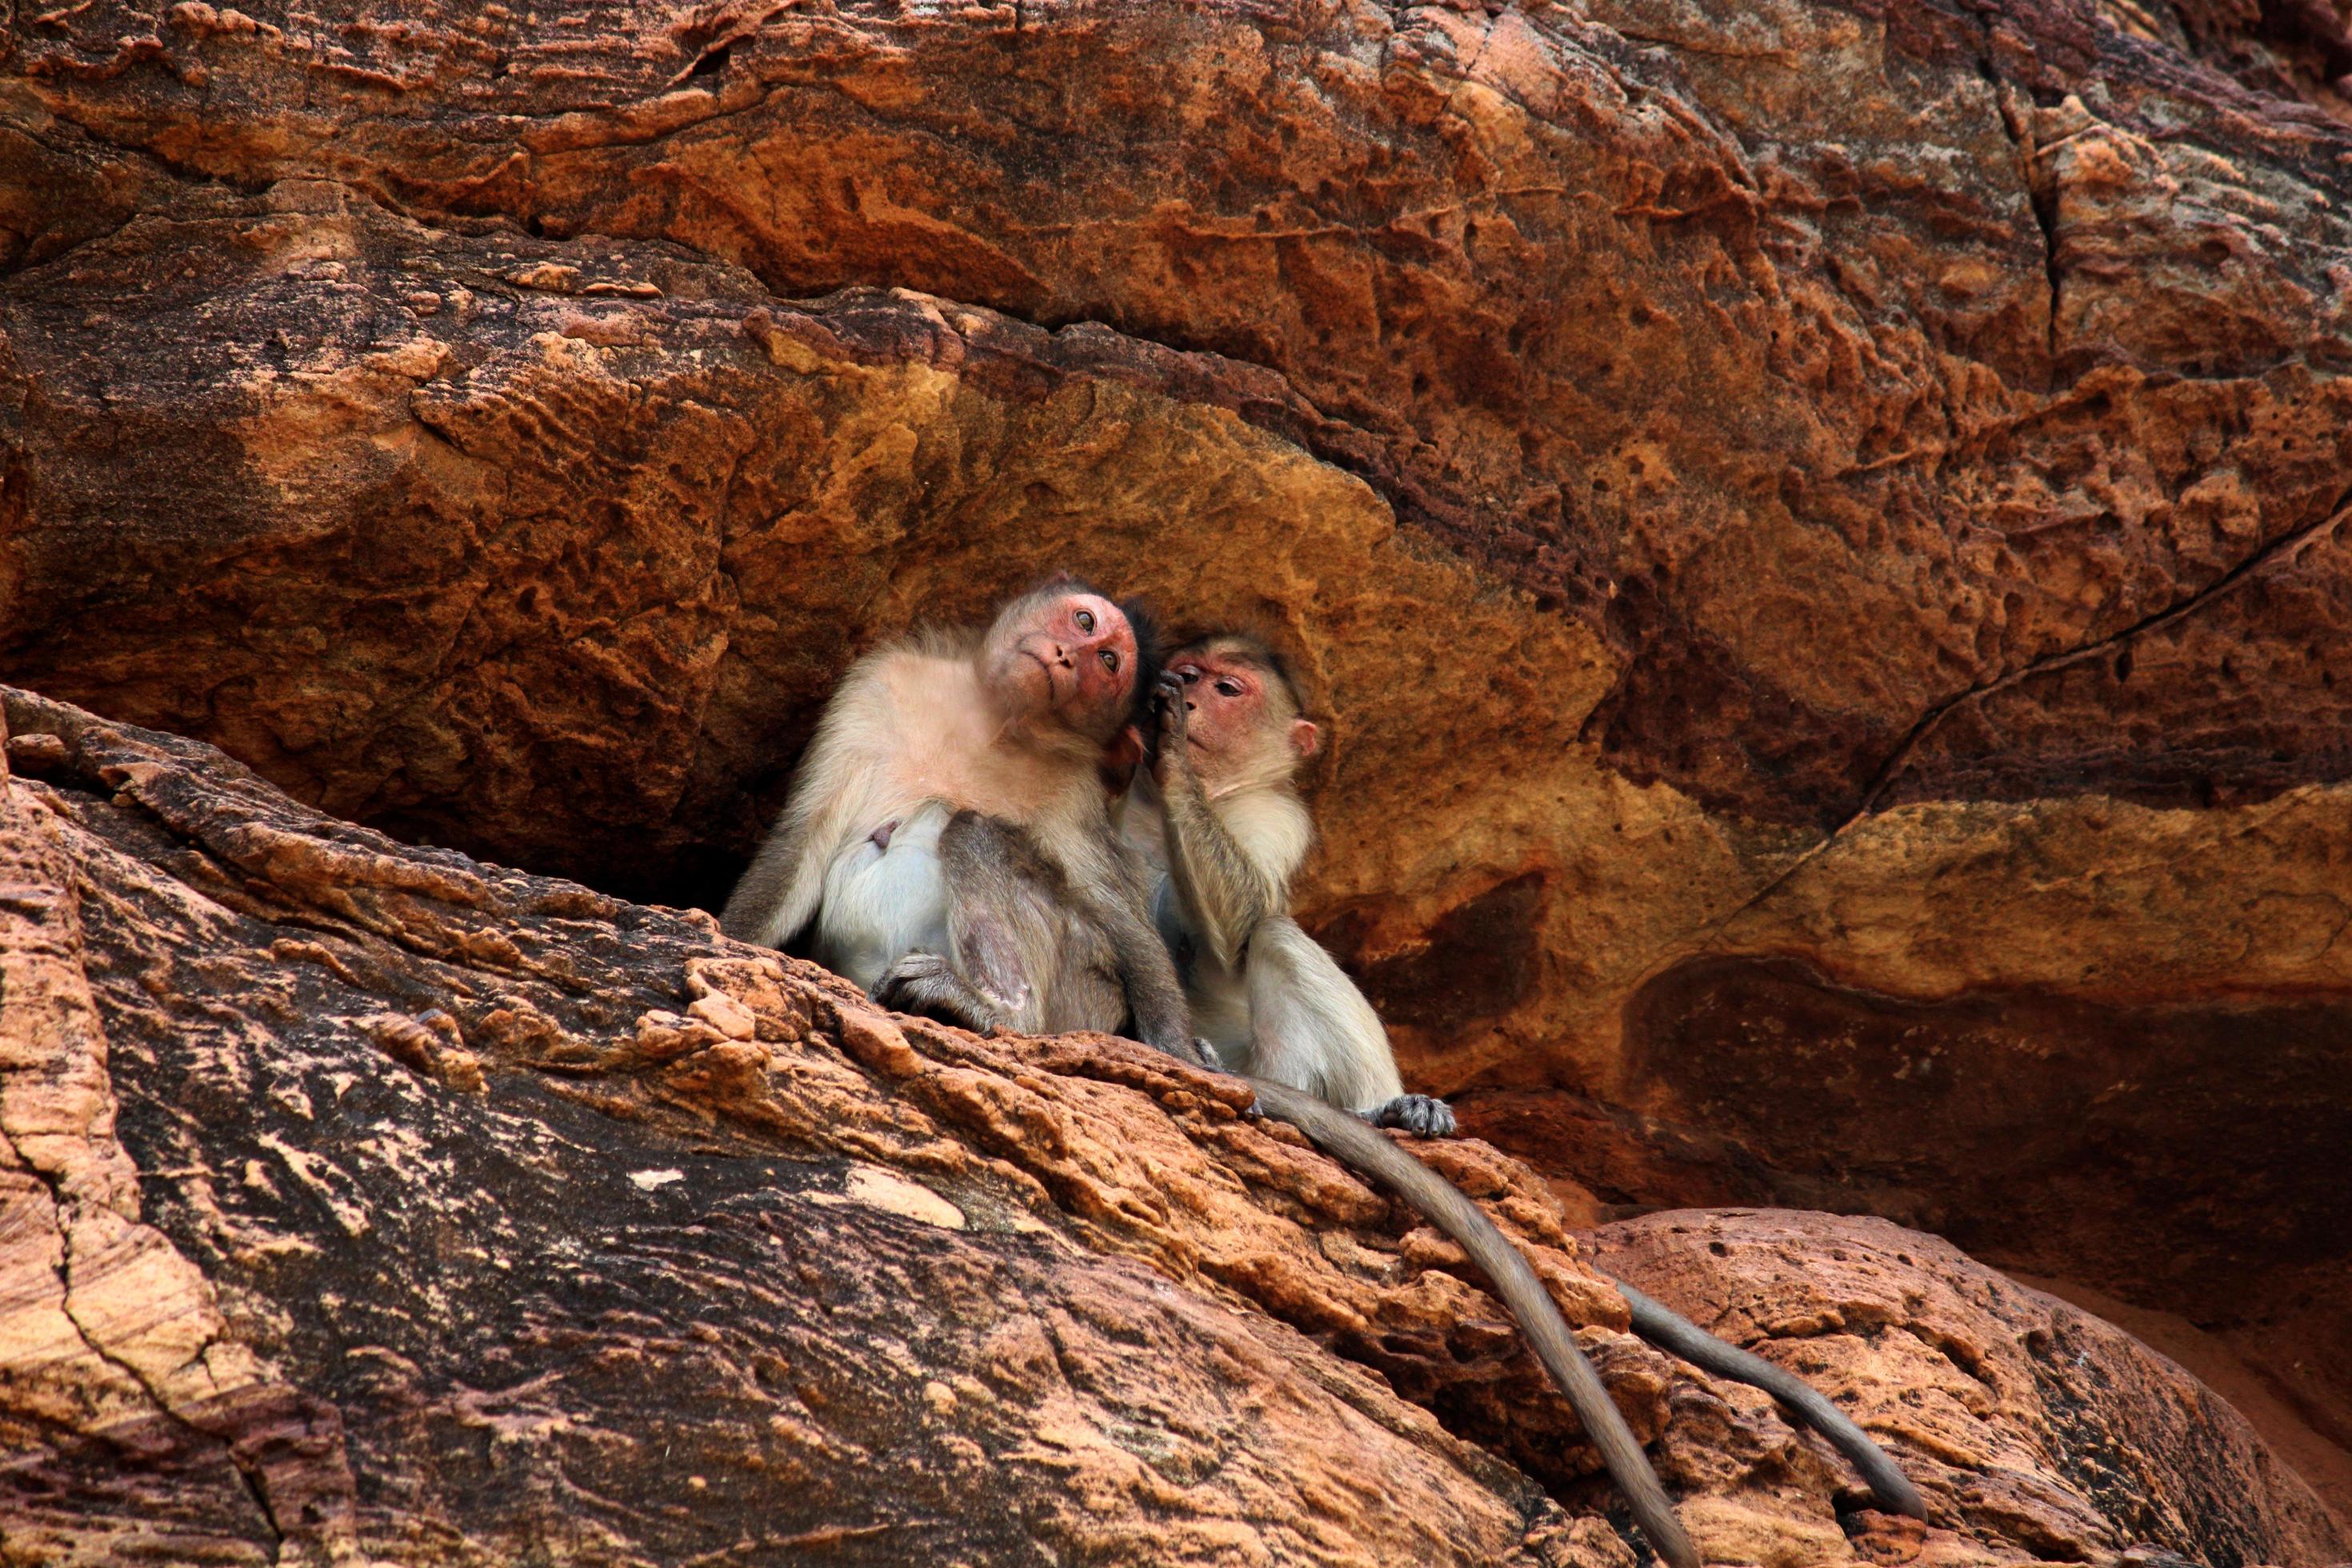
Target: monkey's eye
(1229,688)
(1188,674)
(1086,620)
(1110,661)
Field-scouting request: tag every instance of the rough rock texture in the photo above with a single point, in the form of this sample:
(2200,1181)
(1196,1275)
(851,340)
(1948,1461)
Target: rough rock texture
(360,1203)
(2042,1415)
(1820,527)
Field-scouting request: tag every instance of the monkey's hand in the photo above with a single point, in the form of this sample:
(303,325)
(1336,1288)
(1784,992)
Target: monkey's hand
(1421,1115)
(1171,759)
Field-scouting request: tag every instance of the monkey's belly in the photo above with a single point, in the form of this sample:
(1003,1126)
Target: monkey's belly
(883,902)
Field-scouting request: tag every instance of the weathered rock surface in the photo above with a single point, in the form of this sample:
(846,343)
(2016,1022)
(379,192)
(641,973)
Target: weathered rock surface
(369,1203)
(1821,526)
(2076,1435)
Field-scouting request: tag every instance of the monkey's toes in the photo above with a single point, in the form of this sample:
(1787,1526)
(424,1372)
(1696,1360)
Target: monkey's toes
(1423,1116)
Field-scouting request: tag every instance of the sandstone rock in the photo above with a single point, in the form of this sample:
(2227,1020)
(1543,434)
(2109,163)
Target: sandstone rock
(656,1289)
(280,1293)
(1874,478)
(2008,1403)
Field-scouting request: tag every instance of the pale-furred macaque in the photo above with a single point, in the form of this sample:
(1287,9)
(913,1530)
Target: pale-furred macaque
(946,842)
(1231,832)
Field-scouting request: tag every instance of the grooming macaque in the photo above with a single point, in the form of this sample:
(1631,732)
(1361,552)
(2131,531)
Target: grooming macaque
(947,842)
(1231,832)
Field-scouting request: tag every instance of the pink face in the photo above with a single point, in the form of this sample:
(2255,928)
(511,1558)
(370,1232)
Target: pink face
(1226,707)
(1076,653)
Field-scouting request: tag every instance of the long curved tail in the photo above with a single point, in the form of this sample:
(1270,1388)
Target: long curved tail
(1359,1146)
(1669,1329)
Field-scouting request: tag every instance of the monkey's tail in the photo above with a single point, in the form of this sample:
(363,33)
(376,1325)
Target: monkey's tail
(1357,1145)
(1669,1329)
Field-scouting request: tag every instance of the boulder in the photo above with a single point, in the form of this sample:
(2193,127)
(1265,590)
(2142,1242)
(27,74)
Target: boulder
(361,1202)
(1818,528)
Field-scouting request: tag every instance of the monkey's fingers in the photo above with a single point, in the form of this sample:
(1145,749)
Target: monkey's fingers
(927,985)
(1170,694)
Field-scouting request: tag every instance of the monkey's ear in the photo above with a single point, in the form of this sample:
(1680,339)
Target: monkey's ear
(1305,737)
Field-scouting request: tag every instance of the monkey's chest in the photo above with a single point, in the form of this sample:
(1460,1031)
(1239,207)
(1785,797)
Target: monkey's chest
(948,761)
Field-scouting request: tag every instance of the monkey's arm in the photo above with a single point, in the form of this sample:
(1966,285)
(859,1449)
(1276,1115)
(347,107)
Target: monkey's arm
(1225,889)
(780,889)
(1225,894)
(1154,995)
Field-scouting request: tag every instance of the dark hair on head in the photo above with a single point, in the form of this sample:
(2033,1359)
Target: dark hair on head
(1150,656)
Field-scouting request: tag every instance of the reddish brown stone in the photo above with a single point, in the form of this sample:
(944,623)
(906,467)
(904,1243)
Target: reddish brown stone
(1982,1380)
(1850,486)
(713,1257)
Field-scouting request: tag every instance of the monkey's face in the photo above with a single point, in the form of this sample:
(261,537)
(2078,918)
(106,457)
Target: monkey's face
(1234,719)
(1070,654)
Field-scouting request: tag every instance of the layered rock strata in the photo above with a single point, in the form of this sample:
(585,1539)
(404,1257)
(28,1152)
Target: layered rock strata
(1820,527)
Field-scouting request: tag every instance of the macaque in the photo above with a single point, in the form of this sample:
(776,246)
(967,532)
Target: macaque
(946,840)
(1231,735)
(1231,833)
(947,843)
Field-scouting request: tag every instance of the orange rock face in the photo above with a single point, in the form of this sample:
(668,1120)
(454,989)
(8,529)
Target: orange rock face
(1819,529)
(377,1204)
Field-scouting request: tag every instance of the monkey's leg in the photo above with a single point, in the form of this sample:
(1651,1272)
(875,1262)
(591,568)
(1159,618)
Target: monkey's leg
(1006,929)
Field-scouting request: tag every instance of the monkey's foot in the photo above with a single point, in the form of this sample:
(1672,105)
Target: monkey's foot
(1194,1052)
(1423,1116)
(927,985)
